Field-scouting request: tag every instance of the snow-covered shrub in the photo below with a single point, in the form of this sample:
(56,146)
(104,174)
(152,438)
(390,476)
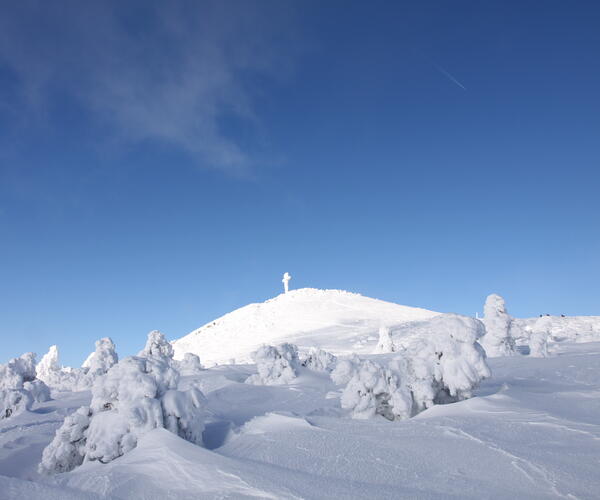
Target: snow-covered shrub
(103,358)
(441,367)
(56,376)
(97,363)
(375,390)
(538,338)
(276,365)
(19,388)
(319,360)
(497,340)
(183,413)
(189,365)
(136,395)
(157,346)
(385,344)
(345,369)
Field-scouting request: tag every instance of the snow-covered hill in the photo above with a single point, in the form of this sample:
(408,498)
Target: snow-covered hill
(334,320)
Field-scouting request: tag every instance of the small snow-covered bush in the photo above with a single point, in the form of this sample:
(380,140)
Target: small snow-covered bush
(157,346)
(276,365)
(375,390)
(385,344)
(136,395)
(441,367)
(538,338)
(19,388)
(189,365)
(103,358)
(497,340)
(97,363)
(183,413)
(319,360)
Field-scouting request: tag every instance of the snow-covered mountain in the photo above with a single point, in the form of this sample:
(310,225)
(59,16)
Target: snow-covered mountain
(337,321)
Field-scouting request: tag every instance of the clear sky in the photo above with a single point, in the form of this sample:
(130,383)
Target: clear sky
(163,163)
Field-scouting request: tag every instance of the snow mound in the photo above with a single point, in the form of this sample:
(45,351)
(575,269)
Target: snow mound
(337,321)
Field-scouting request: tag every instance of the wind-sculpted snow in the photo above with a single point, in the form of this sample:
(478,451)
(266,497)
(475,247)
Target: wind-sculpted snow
(136,395)
(445,366)
(19,388)
(497,340)
(276,365)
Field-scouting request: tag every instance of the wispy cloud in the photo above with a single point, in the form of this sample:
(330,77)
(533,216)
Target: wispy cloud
(172,72)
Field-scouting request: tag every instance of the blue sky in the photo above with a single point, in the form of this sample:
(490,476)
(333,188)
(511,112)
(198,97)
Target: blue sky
(161,165)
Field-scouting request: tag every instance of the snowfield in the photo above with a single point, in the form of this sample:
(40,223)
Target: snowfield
(404,404)
(334,320)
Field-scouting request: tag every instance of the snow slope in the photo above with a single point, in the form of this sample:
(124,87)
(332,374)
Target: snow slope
(337,321)
(532,432)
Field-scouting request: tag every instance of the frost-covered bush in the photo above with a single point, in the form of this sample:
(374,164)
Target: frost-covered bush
(319,360)
(19,388)
(497,340)
(136,395)
(375,390)
(97,363)
(103,358)
(385,344)
(276,365)
(441,367)
(157,346)
(189,365)
(538,338)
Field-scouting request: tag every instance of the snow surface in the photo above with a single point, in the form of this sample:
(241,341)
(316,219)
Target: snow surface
(532,432)
(337,321)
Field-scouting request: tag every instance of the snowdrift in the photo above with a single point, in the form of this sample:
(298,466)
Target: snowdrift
(337,321)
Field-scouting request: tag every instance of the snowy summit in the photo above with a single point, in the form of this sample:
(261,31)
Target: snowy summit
(337,321)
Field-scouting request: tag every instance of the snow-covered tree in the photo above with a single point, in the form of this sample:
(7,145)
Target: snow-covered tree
(276,365)
(136,395)
(441,367)
(56,376)
(97,364)
(385,344)
(103,358)
(189,365)
(497,340)
(19,388)
(538,338)
(157,346)
(319,360)
(375,390)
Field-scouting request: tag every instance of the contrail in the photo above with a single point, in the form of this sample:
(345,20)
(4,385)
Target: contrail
(450,77)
